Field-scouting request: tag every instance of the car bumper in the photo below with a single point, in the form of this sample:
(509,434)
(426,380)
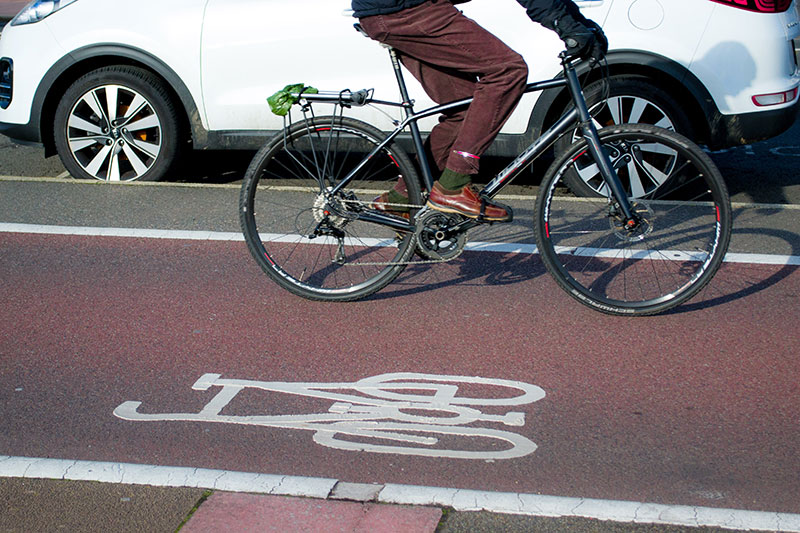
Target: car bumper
(747,128)
(26,54)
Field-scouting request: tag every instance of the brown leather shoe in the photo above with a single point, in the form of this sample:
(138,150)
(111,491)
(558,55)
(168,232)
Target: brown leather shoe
(382,204)
(466,202)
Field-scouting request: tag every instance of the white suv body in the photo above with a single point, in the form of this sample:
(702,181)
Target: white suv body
(716,70)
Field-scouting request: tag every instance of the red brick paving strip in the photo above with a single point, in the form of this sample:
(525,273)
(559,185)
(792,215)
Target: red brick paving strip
(226,511)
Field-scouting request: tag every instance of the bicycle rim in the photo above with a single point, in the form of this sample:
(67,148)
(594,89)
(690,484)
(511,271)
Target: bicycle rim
(314,245)
(681,240)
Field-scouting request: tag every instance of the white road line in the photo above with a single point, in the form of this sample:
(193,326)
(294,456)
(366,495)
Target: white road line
(65,179)
(501,247)
(458,499)
(140,233)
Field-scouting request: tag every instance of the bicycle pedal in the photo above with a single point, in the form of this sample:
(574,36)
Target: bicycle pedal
(507,207)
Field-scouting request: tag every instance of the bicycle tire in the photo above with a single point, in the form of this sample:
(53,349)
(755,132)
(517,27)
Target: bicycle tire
(282,201)
(669,258)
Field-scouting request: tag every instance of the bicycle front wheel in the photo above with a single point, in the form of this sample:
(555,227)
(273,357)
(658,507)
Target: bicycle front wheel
(680,242)
(315,243)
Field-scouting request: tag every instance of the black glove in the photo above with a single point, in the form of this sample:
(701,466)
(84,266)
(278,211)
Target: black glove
(584,40)
(600,39)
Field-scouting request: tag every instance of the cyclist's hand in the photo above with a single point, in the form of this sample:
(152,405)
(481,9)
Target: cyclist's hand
(583,40)
(600,42)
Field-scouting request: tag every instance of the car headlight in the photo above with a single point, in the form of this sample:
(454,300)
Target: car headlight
(37,10)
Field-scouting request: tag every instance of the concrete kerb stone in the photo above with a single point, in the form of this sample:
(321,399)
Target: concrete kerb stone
(172,476)
(356,492)
(616,511)
(457,499)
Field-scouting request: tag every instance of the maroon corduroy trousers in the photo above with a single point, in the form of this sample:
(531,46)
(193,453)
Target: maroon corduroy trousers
(454,58)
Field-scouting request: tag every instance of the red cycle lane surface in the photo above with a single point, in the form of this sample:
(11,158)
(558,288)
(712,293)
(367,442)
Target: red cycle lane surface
(696,407)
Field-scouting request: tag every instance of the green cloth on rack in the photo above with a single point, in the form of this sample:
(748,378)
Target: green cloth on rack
(281,101)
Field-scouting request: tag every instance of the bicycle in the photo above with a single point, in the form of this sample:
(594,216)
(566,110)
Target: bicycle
(308,215)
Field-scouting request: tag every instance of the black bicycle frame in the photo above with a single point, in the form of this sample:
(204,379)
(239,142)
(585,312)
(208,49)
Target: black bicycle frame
(579,114)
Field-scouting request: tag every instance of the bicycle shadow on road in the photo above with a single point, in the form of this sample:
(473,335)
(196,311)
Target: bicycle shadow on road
(471,269)
(737,281)
(476,268)
(734,282)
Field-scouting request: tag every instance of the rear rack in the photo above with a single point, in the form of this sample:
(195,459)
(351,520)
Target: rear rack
(345,98)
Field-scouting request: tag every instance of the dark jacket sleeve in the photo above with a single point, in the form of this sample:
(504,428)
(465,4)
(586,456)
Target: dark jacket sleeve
(546,12)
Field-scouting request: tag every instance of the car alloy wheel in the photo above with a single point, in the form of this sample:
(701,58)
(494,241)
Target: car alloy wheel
(630,100)
(116,124)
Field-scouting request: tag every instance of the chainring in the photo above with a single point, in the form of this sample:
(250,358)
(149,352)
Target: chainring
(433,242)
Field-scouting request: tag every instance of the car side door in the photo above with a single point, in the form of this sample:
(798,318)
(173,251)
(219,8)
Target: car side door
(253,48)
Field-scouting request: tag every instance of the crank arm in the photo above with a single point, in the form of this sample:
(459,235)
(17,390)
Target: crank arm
(463,226)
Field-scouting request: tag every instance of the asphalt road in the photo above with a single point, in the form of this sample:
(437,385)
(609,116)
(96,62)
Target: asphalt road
(696,407)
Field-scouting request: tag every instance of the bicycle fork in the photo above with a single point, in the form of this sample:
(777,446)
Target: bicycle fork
(607,171)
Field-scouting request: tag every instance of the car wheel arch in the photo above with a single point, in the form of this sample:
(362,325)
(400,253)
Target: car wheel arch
(683,85)
(79,62)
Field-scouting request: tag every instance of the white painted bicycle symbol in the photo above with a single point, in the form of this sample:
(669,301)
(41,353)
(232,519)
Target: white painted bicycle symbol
(421,413)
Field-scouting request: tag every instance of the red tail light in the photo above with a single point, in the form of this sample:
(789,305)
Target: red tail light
(759,6)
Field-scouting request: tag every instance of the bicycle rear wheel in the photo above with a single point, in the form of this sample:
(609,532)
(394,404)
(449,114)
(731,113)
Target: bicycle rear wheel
(680,243)
(311,242)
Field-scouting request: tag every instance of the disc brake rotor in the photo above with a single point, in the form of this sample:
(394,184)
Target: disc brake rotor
(646,218)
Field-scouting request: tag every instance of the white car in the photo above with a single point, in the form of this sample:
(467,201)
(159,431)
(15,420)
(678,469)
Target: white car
(119,88)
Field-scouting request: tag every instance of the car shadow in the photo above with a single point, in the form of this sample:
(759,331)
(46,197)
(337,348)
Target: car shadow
(212,167)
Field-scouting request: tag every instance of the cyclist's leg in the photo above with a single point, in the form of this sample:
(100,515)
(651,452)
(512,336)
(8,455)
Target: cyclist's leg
(442,85)
(437,34)
(453,57)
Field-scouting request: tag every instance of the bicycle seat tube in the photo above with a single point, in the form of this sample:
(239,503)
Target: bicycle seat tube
(408,107)
(590,134)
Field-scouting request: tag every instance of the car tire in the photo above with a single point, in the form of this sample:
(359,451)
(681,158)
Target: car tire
(630,99)
(117,123)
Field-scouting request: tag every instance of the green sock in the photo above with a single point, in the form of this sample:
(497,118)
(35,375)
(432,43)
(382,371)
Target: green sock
(453,181)
(395,197)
